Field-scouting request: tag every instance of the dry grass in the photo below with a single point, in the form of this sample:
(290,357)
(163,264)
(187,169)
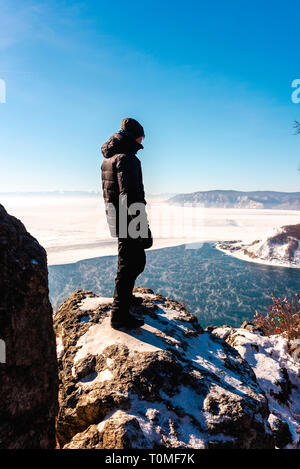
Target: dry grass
(283,316)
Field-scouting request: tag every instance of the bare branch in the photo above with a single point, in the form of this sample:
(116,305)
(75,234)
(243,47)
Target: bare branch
(297,127)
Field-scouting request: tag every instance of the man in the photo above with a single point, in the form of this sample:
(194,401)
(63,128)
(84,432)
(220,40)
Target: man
(122,184)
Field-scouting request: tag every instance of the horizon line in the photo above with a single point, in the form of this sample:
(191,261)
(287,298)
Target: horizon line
(94,192)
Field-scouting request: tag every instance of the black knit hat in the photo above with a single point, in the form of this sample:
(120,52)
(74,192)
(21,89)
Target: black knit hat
(133,127)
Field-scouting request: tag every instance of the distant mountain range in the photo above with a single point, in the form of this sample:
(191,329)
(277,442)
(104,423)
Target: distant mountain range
(239,199)
(213,198)
(62,193)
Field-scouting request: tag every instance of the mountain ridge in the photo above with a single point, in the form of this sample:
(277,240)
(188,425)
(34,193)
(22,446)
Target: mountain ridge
(239,199)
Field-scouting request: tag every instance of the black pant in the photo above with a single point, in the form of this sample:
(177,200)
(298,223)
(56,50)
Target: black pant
(131,263)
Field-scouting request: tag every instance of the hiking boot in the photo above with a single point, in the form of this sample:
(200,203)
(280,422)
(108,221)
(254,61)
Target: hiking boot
(126,322)
(136,300)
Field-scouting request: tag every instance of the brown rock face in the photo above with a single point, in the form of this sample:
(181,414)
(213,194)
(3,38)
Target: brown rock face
(292,230)
(28,364)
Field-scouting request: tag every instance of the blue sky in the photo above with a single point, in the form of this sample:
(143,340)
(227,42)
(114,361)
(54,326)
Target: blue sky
(209,81)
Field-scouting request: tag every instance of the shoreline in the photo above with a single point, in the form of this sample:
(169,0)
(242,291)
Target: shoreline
(112,251)
(256,260)
(101,249)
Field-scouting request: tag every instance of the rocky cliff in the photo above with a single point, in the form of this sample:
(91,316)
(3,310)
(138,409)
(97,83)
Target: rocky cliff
(280,247)
(278,374)
(169,384)
(28,365)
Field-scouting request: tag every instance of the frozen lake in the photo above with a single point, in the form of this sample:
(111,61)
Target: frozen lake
(217,288)
(74,228)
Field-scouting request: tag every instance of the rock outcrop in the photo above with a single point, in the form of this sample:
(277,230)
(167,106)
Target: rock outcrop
(277,373)
(167,385)
(28,364)
(279,247)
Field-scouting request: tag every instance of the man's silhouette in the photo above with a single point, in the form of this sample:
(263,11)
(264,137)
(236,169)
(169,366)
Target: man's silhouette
(123,185)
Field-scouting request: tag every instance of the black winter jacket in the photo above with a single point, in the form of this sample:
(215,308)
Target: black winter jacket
(121,174)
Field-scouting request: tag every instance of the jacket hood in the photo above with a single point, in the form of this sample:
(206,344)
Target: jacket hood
(120,142)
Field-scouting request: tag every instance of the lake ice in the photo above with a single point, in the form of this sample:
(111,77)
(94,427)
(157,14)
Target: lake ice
(72,228)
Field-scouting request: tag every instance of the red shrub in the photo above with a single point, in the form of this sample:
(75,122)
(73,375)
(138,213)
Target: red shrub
(283,316)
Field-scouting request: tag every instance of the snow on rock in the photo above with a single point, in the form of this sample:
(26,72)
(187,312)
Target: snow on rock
(167,384)
(100,336)
(91,303)
(278,376)
(279,247)
(59,348)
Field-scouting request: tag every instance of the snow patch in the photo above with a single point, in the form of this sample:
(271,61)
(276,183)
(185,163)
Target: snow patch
(150,296)
(60,350)
(109,362)
(105,375)
(101,336)
(268,356)
(92,303)
(276,247)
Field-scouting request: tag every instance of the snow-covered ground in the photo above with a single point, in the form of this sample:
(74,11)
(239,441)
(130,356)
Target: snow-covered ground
(73,228)
(223,400)
(277,247)
(277,373)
